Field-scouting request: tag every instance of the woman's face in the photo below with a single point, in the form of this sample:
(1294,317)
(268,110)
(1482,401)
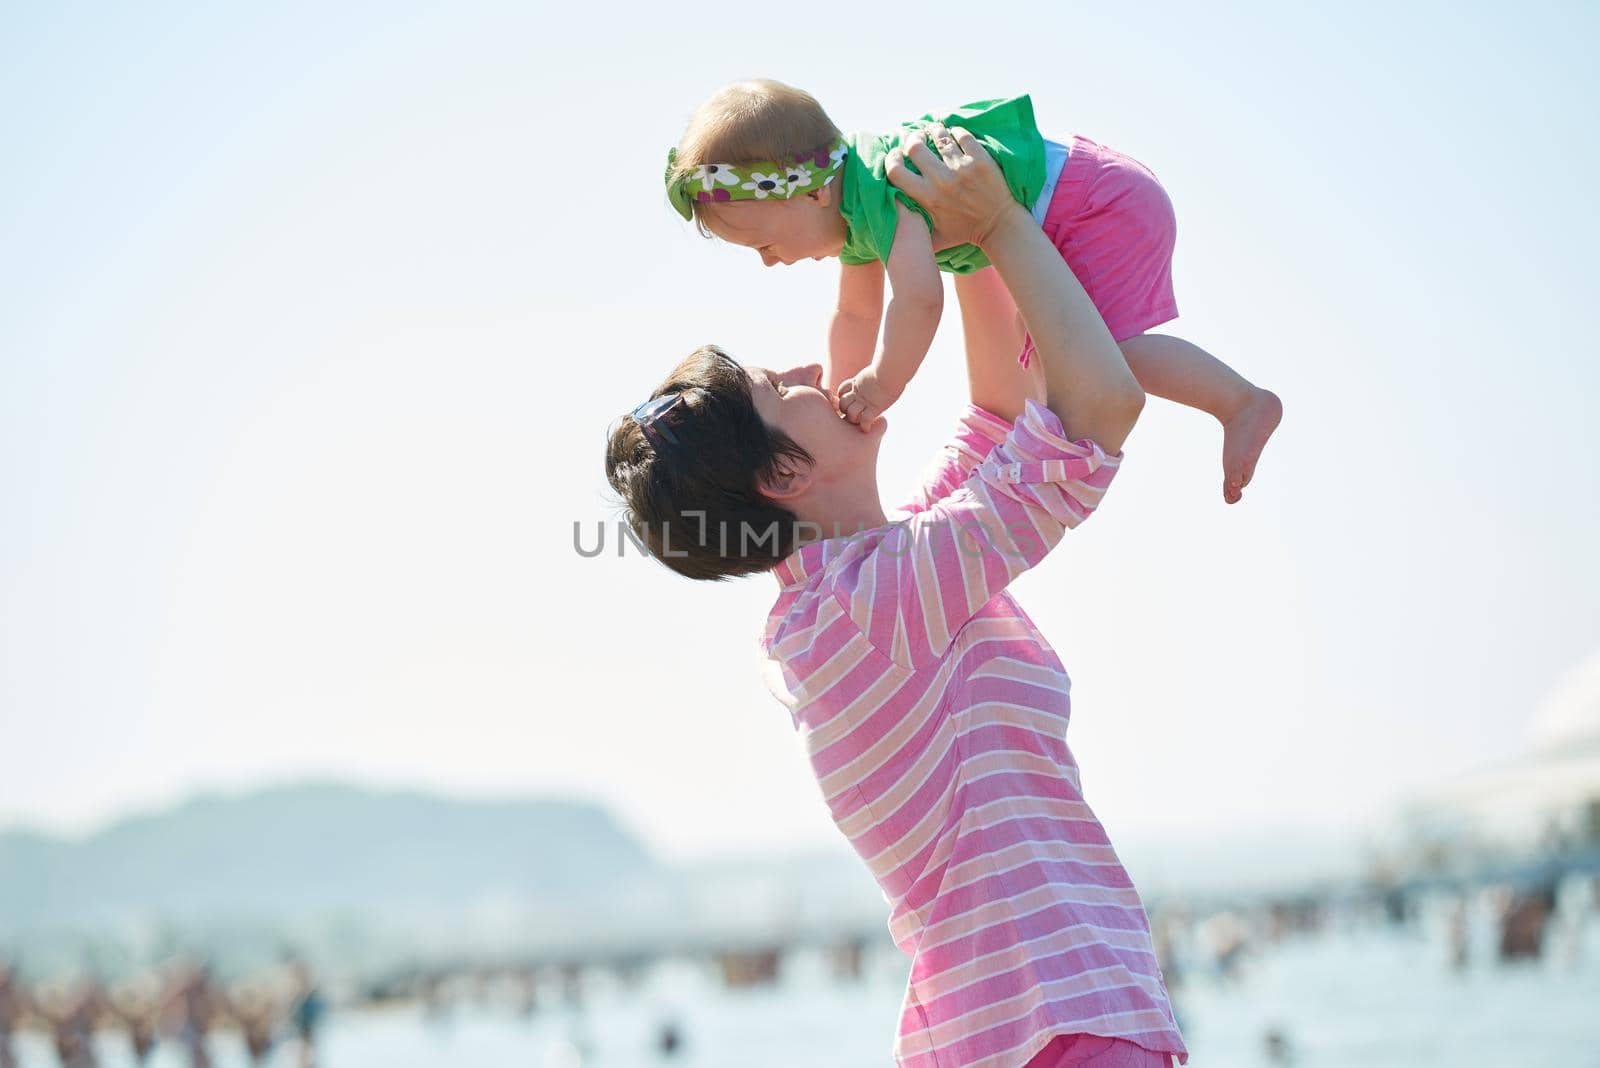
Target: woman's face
(795,402)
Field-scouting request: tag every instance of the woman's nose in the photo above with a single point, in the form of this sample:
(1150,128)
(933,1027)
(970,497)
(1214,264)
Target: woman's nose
(808,374)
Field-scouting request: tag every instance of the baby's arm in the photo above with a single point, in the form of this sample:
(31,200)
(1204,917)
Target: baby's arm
(908,324)
(853,333)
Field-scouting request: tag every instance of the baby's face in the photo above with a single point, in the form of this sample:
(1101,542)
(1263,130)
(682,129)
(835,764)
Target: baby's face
(782,231)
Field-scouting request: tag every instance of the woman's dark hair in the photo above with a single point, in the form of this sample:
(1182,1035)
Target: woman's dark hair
(695,503)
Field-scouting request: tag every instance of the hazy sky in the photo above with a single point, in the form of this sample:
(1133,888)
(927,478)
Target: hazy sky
(312,321)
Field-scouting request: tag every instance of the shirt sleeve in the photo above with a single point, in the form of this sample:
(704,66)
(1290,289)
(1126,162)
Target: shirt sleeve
(914,588)
(976,434)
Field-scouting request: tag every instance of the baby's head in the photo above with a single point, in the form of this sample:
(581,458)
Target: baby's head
(761,165)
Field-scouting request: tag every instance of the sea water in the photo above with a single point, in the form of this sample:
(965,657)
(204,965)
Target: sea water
(1376,997)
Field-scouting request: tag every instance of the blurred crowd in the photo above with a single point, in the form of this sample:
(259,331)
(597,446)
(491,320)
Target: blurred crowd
(1527,920)
(1500,926)
(277,1011)
(183,1004)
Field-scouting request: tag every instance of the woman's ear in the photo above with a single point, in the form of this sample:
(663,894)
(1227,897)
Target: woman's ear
(787,481)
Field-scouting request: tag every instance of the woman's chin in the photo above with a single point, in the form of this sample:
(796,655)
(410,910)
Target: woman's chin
(872,430)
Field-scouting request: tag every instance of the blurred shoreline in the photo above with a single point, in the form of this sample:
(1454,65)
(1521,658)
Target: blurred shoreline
(323,898)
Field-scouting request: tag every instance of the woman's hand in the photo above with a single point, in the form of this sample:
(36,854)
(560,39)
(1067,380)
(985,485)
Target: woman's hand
(961,187)
(1087,383)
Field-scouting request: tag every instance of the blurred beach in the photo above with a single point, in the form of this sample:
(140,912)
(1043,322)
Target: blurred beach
(330,926)
(1411,982)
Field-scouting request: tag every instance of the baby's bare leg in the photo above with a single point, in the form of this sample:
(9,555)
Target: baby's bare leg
(1178,370)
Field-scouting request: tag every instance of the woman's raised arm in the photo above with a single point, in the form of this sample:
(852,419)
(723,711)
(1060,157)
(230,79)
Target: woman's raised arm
(1087,383)
(996,381)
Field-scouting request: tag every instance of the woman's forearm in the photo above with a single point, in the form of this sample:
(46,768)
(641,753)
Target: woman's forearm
(996,382)
(1087,383)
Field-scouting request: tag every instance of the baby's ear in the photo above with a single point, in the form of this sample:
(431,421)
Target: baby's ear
(824,196)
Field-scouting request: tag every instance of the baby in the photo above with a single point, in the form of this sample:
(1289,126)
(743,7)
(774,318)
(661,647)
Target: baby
(761,165)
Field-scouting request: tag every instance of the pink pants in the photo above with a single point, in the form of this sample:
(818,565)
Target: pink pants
(1066,1051)
(1113,224)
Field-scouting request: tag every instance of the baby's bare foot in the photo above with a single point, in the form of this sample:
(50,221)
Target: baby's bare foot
(1243,438)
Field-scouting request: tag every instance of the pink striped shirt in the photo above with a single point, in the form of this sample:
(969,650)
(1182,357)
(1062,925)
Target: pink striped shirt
(934,715)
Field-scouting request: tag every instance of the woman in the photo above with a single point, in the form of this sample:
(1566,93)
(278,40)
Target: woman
(932,710)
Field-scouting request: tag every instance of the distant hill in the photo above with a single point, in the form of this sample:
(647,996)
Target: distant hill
(381,871)
(302,850)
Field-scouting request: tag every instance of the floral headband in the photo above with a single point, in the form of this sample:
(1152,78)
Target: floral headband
(722,182)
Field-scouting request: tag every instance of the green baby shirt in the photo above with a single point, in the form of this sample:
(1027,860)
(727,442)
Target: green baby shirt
(867,202)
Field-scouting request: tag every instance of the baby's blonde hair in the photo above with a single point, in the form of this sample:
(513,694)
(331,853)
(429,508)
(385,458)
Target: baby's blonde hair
(749,122)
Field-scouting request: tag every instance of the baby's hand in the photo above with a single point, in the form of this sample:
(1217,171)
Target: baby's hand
(866,396)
